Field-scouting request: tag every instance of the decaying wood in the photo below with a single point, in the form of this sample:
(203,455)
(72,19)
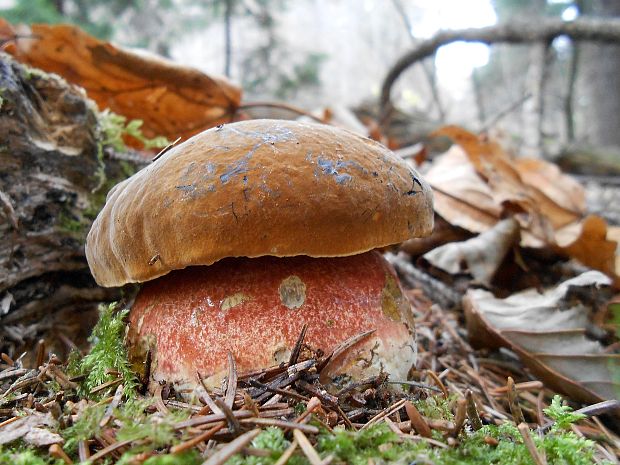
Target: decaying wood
(53,178)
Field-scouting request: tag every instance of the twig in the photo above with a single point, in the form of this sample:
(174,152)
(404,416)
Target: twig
(197,440)
(297,349)
(438,382)
(601,30)
(233,423)
(513,402)
(282,424)
(282,106)
(231,384)
(529,443)
(385,413)
(287,453)
(307,448)
(207,399)
(165,149)
(417,421)
(284,392)
(56,451)
(472,411)
(109,411)
(230,449)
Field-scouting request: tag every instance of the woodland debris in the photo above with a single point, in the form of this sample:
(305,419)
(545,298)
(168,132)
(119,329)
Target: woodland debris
(170,99)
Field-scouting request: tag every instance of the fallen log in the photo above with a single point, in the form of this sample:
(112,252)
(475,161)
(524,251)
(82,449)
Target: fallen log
(54,174)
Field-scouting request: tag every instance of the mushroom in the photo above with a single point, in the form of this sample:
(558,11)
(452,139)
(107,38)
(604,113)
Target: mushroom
(248,231)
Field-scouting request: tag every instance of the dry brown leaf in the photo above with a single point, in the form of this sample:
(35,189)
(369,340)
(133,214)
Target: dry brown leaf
(476,184)
(480,256)
(591,246)
(548,331)
(460,195)
(171,100)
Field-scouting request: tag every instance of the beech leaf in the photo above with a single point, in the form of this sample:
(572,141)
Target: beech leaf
(549,332)
(481,256)
(172,100)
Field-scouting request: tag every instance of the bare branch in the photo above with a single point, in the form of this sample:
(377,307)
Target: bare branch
(515,32)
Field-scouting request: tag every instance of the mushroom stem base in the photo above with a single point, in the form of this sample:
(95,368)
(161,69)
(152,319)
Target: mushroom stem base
(256,308)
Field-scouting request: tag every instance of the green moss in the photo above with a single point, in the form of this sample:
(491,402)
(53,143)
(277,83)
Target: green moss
(379,444)
(437,407)
(26,456)
(136,425)
(272,440)
(187,458)
(562,414)
(107,353)
(114,127)
(86,427)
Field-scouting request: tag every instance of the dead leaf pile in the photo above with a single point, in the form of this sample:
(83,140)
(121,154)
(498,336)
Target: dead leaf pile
(172,100)
(476,184)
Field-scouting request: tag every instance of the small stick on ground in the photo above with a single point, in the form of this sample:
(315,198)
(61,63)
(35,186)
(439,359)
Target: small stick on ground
(233,422)
(513,402)
(417,421)
(231,384)
(297,349)
(438,382)
(287,453)
(40,353)
(529,443)
(309,451)
(197,440)
(109,411)
(56,451)
(230,449)
(472,412)
(459,417)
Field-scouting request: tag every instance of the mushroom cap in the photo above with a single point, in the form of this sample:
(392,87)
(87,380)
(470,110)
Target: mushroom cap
(255,188)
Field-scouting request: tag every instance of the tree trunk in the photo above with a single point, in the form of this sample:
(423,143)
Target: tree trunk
(601,67)
(53,181)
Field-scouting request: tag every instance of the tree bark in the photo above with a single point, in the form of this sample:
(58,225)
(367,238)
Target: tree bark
(53,180)
(600,70)
(533,108)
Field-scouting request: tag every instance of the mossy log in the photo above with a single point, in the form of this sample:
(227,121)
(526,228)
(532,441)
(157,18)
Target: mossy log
(54,175)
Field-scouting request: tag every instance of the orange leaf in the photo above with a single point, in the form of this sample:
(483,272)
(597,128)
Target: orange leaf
(171,99)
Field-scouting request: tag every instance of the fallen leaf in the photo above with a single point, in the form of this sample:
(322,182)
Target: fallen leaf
(548,331)
(172,100)
(460,195)
(476,184)
(480,256)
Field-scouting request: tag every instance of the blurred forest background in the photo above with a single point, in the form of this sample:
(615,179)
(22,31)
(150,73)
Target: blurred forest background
(541,99)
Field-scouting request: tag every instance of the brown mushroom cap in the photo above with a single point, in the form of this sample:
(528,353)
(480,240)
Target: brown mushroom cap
(255,188)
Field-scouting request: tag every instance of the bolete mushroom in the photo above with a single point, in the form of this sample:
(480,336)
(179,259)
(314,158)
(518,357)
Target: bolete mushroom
(248,231)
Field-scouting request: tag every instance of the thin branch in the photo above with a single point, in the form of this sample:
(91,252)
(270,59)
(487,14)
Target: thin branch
(515,32)
(570,92)
(282,106)
(429,73)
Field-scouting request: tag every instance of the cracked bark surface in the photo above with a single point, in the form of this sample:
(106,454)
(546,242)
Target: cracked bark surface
(51,186)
